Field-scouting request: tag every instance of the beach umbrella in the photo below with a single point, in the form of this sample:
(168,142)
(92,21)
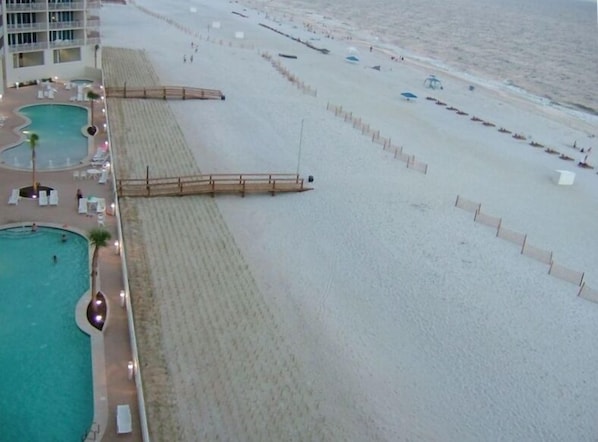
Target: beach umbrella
(409,95)
(352,59)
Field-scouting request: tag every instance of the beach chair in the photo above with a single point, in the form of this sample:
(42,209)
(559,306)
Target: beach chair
(14,197)
(40,94)
(53,197)
(123,419)
(83,175)
(82,206)
(103,177)
(67,85)
(76,175)
(101,219)
(43,198)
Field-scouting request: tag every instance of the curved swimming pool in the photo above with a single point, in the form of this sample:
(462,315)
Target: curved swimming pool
(46,382)
(61,140)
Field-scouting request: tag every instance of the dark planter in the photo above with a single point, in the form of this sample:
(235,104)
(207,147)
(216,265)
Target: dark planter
(92,130)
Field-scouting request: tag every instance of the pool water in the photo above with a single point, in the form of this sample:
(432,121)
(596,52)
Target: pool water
(45,359)
(61,141)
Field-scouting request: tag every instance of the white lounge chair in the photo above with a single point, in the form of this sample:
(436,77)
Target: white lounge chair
(14,197)
(43,198)
(123,419)
(82,206)
(83,175)
(101,205)
(103,177)
(67,85)
(101,219)
(53,197)
(76,175)
(40,94)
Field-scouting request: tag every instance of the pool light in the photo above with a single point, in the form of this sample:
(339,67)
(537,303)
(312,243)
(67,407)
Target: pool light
(131,369)
(99,318)
(123,297)
(116,247)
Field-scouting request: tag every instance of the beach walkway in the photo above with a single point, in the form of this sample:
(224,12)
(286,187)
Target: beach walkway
(211,185)
(164,92)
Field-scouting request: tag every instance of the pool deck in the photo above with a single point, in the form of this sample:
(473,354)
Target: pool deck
(111,349)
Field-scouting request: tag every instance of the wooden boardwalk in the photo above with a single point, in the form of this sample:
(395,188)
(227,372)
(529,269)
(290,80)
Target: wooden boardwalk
(165,92)
(212,184)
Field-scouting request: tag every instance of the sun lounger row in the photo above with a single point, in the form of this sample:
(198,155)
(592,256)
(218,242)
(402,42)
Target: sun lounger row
(43,199)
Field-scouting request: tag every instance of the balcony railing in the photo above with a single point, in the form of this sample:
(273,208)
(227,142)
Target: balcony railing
(28,47)
(25,27)
(66,6)
(67,24)
(66,43)
(20,7)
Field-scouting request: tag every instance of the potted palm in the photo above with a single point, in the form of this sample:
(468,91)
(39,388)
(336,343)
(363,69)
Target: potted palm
(92,96)
(33,141)
(98,238)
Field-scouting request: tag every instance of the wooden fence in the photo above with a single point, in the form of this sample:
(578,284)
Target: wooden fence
(542,255)
(165,92)
(211,185)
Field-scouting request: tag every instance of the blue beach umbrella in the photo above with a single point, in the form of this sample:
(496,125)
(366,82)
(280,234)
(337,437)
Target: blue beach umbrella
(409,95)
(352,59)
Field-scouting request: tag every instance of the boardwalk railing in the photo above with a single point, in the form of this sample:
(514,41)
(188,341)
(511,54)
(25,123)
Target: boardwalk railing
(211,184)
(164,92)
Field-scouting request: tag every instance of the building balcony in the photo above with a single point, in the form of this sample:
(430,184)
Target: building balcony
(66,24)
(28,47)
(67,43)
(67,6)
(25,7)
(25,27)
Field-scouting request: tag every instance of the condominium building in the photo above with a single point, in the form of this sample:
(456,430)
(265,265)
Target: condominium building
(41,39)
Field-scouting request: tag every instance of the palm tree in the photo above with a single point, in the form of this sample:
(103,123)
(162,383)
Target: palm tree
(92,96)
(98,238)
(33,140)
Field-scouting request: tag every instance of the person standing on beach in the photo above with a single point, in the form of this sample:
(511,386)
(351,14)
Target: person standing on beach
(191,59)
(184,59)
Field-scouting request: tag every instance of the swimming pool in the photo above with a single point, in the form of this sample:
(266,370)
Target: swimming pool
(45,359)
(61,142)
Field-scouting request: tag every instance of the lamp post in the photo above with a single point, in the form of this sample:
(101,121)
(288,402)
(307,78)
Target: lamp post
(300,145)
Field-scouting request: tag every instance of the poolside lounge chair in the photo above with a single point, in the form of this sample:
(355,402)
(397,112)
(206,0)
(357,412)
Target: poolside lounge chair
(101,219)
(76,175)
(43,198)
(14,197)
(82,206)
(103,177)
(83,175)
(123,419)
(53,197)
(40,94)
(101,205)
(67,85)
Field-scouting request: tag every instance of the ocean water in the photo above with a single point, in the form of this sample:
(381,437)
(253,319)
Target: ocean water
(547,48)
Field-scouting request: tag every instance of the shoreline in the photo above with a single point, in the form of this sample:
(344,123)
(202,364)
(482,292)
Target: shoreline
(326,27)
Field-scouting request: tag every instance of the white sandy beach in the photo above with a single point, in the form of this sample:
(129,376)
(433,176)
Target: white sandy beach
(389,314)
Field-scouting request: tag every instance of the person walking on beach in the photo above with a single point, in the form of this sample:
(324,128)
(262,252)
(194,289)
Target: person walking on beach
(184,59)
(191,59)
